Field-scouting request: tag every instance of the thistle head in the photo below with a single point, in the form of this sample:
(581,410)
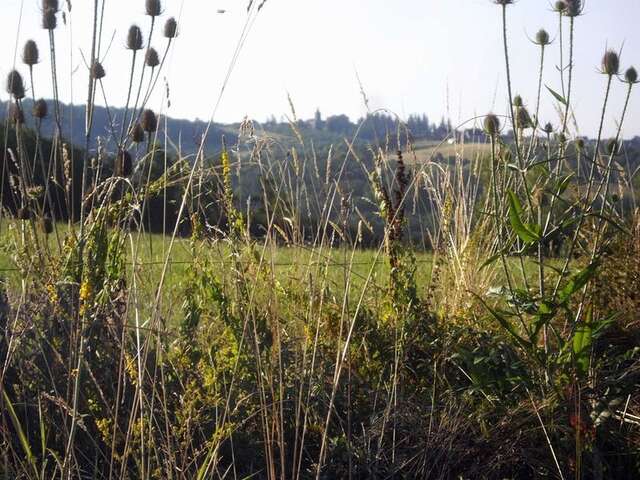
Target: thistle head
(171,28)
(491,125)
(151,58)
(97,71)
(137,134)
(153,8)
(610,63)
(631,76)
(542,38)
(149,121)
(573,8)
(15,85)
(40,109)
(123,165)
(16,114)
(134,38)
(30,53)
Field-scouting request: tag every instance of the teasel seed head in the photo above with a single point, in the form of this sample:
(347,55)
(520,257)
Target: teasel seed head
(171,28)
(46,225)
(124,164)
(15,85)
(503,2)
(151,58)
(561,138)
(548,128)
(49,19)
(134,38)
(579,142)
(24,213)
(491,125)
(153,7)
(631,75)
(573,8)
(149,121)
(610,63)
(137,134)
(523,119)
(51,5)
(30,53)
(613,147)
(517,101)
(97,71)
(40,109)
(16,114)
(560,6)
(542,38)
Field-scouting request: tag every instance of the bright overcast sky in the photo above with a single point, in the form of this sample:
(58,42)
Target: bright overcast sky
(440,57)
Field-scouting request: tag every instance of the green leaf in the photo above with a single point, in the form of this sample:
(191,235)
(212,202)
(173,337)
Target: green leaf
(557,96)
(502,320)
(582,340)
(526,233)
(21,435)
(576,282)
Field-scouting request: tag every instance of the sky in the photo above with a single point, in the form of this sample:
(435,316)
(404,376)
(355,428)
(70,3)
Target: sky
(439,57)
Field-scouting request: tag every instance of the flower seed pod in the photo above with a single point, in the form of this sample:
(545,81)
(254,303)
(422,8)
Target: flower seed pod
(542,38)
(153,7)
(97,71)
(573,8)
(30,54)
(613,147)
(137,134)
(579,143)
(560,6)
(517,101)
(151,58)
(15,85)
(503,2)
(149,121)
(171,28)
(51,5)
(40,109)
(491,125)
(134,38)
(16,114)
(523,119)
(24,213)
(548,129)
(46,225)
(610,63)
(49,19)
(631,75)
(124,164)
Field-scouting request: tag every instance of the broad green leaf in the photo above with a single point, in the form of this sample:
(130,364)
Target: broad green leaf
(576,282)
(556,95)
(582,340)
(525,232)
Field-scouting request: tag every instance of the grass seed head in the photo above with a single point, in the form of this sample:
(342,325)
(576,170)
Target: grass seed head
(134,38)
(542,38)
(491,125)
(631,75)
(171,28)
(149,121)
(30,54)
(151,58)
(153,8)
(97,71)
(610,63)
(40,109)
(124,164)
(15,85)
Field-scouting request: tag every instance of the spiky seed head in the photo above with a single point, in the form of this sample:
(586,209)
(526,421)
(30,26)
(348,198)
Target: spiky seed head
(51,5)
(49,19)
(97,71)
(137,134)
(151,58)
(613,147)
(24,213)
(560,6)
(153,7)
(171,28)
(573,8)
(30,53)
(503,2)
(16,114)
(579,143)
(134,38)
(542,38)
(610,63)
(517,101)
(46,225)
(124,164)
(148,121)
(491,125)
(548,129)
(40,109)
(631,75)
(523,119)
(15,85)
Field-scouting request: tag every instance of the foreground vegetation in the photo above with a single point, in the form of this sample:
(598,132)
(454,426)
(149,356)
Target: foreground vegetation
(479,320)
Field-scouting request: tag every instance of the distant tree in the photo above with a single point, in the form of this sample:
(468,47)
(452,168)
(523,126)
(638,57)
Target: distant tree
(339,124)
(318,123)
